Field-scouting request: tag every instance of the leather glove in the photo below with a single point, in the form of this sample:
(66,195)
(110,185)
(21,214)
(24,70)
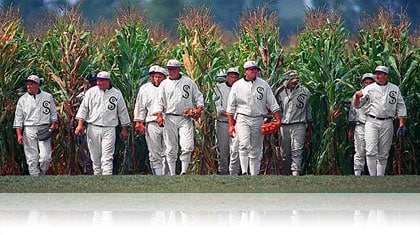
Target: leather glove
(402,132)
(160,120)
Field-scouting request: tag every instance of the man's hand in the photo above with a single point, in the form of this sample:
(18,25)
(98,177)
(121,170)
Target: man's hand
(140,128)
(160,120)
(232,131)
(20,139)
(350,134)
(124,133)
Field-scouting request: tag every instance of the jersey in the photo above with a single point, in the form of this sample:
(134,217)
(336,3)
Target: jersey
(220,97)
(35,110)
(176,95)
(146,100)
(383,101)
(251,98)
(357,115)
(294,105)
(103,108)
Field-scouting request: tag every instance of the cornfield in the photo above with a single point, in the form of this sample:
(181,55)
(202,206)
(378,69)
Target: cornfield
(329,58)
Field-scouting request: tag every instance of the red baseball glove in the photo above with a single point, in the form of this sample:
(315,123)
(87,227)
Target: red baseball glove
(269,128)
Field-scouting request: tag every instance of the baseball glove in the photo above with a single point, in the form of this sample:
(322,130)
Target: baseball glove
(44,133)
(269,128)
(192,113)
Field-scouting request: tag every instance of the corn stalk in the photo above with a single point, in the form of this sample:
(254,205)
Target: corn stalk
(15,63)
(202,55)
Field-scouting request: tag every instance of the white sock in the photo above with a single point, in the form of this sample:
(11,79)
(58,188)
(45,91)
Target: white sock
(158,171)
(172,168)
(244,164)
(184,166)
(371,164)
(254,166)
(357,172)
(380,169)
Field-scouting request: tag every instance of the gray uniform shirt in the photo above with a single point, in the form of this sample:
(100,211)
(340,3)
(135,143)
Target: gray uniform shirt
(357,115)
(383,101)
(146,100)
(294,105)
(35,110)
(176,95)
(251,98)
(103,108)
(220,97)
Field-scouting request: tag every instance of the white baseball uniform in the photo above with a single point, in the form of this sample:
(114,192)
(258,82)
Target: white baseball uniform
(358,116)
(146,100)
(295,113)
(249,101)
(34,112)
(228,155)
(173,97)
(103,110)
(383,104)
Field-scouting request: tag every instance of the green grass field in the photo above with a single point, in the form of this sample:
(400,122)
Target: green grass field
(209,184)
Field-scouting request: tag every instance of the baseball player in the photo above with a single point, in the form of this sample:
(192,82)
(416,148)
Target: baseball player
(102,108)
(357,134)
(227,148)
(384,102)
(35,111)
(179,99)
(146,123)
(296,121)
(248,102)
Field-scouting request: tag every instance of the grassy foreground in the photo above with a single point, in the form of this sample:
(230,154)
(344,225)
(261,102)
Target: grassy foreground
(209,184)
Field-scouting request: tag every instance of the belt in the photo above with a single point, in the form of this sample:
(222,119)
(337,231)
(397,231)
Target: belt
(174,114)
(287,124)
(95,125)
(251,116)
(222,121)
(360,123)
(379,118)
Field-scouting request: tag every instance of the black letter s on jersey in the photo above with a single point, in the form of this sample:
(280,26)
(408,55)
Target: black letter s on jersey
(393,97)
(112,103)
(46,104)
(260,92)
(186,89)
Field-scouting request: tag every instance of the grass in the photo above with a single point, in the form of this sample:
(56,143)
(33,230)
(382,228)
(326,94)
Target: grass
(209,184)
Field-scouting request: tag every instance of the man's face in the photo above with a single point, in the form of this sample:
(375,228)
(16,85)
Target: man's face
(367,82)
(32,88)
(157,78)
(381,78)
(232,78)
(103,84)
(174,73)
(251,73)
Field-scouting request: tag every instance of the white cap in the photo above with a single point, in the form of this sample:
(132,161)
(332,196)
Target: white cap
(382,69)
(103,75)
(161,70)
(153,69)
(292,75)
(250,65)
(232,70)
(33,78)
(368,75)
(221,73)
(173,64)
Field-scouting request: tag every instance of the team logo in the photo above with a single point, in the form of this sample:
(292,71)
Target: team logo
(186,89)
(301,101)
(46,105)
(393,97)
(112,103)
(260,91)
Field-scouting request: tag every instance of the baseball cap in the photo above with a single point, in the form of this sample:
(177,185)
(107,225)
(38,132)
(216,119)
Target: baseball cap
(91,77)
(368,75)
(250,65)
(382,69)
(161,70)
(103,75)
(33,78)
(221,73)
(173,64)
(232,70)
(153,69)
(292,75)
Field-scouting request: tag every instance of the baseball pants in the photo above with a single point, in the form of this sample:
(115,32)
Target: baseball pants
(227,148)
(292,144)
(250,140)
(359,149)
(101,144)
(178,131)
(38,153)
(378,137)
(155,145)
